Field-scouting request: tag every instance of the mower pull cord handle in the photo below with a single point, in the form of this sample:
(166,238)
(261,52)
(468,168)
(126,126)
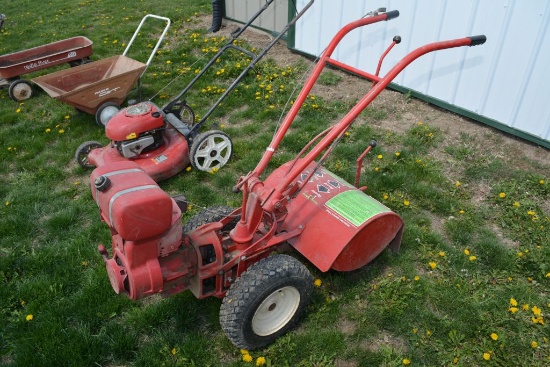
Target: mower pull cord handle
(477,40)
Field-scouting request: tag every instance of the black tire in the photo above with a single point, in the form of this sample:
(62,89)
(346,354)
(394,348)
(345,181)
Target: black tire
(20,90)
(208,215)
(81,154)
(265,301)
(105,112)
(210,150)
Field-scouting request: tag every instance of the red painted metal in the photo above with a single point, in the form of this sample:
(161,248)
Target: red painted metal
(45,56)
(301,204)
(125,125)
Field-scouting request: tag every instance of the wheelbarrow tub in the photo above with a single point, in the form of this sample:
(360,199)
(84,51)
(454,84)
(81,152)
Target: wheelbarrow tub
(343,228)
(45,56)
(88,86)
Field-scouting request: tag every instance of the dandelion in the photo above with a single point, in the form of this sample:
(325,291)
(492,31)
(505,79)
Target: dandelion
(415,330)
(318,282)
(386,196)
(174,351)
(247,358)
(168,61)
(513,310)
(18,110)
(494,336)
(486,356)
(534,344)
(67,117)
(29,317)
(472,258)
(260,361)
(84,263)
(188,169)
(531,213)
(541,182)
(406,202)
(536,311)
(513,302)
(416,278)
(502,195)
(61,131)
(461,211)
(397,154)
(466,252)
(376,169)
(516,204)
(48,130)
(8,203)
(406,361)
(457,184)
(441,253)
(379,156)
(432,264)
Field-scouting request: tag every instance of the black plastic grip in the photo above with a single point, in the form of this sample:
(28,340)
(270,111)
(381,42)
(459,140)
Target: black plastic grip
(477,40)
(392,14)
(217,16)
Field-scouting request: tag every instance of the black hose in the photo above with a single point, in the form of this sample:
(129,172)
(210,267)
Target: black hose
(217,16)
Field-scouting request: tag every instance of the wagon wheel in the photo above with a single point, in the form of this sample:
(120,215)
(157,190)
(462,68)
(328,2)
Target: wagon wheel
(105,112)
(210,150)
(210,215)
(265,301)
(82,152)
(20,90)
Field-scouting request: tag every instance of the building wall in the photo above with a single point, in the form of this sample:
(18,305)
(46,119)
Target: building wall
(505,81)
(274,18)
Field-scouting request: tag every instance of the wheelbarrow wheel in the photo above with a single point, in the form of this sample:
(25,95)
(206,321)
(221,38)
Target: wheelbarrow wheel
(20,90)
(82,152)
(210,151)
(105,112)
(210,215)
(265,301)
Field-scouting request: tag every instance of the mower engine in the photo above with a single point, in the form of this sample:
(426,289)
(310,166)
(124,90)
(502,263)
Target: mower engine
(136,129)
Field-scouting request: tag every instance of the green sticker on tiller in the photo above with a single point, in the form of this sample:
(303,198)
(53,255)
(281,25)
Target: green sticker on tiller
(356,207)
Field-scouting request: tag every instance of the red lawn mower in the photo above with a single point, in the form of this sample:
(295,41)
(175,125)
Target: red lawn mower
(165,140)
(236,254)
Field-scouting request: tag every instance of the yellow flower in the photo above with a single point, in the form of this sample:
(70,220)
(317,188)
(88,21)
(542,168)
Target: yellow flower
(376,169)
(536,311)
(174,351)
(48,130)
(525,307)
(466,251)
(494,336)
(516,204)
(188,169)
(513,302)
(67,117)
(406,202)
(406,361)
(502,195)
(244,351)
(441,253)
(8,203)
(18,110)
(416,277)
(247,358)
(386,196)
(317,282)
(513,309)
(415,330)
(461,211)
(260,361)
(379,156)
(457,183)
(541,182)
(534,344)
(397,154)
(472,258)
(432,265)
(61,131)
(486,356)
(168,61)
(29,317)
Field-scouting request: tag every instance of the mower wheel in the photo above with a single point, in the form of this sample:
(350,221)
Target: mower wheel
(82,152)
(210,151)
(187,115)
(210,215)
(20,90)
(265,301)
(105,112)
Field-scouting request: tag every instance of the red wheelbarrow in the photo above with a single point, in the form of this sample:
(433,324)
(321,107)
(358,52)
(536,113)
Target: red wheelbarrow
(74,51)
(101,87)
(236,254)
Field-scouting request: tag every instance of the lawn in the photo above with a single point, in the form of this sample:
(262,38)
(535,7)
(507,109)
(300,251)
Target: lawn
(469,287)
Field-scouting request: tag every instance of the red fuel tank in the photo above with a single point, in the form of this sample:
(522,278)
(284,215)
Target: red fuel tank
(343,228)
(134,120)
(130,201)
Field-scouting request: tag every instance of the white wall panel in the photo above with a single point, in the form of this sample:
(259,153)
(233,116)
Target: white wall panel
(506,80)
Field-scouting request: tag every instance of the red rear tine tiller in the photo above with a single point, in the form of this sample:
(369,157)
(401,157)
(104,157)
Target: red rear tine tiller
(226,254)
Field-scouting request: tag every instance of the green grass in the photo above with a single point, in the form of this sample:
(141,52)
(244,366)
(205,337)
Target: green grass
(468,288)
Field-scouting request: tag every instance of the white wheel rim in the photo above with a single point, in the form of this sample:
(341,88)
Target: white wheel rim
(214,152)
(22,91)
(107,113)
(275,311)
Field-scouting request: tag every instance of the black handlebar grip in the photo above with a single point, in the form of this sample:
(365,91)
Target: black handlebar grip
(477,40)
(217,16)
(392,14)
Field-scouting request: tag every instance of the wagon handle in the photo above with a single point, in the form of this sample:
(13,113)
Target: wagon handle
(167,20)
(477,40)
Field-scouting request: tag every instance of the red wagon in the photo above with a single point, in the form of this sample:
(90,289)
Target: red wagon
(74,51)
